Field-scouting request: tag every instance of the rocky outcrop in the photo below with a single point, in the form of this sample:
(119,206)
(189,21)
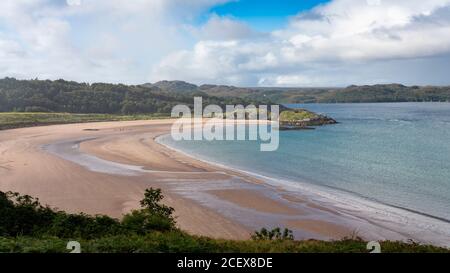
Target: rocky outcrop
(301,119)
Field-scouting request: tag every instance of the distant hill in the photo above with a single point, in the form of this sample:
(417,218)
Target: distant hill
(387,93)
(174,86)
(351,94)
(160,97)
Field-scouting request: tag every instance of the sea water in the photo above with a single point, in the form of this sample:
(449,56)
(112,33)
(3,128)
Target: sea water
(396,154)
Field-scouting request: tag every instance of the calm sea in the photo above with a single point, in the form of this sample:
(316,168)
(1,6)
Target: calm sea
(395,153)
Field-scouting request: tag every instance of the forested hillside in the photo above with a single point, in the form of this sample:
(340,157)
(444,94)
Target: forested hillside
(160,97)
(73,97)
(351,94)
(383,93)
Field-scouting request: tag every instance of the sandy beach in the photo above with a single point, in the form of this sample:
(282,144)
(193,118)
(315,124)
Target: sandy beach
(104,168)
(199,192)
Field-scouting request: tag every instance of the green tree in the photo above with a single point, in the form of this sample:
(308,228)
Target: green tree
(153,215)
(151,202)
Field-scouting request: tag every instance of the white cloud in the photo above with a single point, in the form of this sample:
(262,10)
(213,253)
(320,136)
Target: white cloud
(224,28)
(92,40)
(73,2)
(320,46)
(342,42)
(353,30)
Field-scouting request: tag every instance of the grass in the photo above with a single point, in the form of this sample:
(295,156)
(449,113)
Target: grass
(12,120)
(297,115)
(180,242)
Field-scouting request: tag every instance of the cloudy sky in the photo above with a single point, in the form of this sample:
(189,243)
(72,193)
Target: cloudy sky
(237,42)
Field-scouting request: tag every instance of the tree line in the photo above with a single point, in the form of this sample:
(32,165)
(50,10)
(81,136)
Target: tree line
(73,97)
(104,98)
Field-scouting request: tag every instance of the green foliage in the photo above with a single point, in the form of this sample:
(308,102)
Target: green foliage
(387,93)
(151,202)
(102,98)
(153,216)
(297,115)
(356,94)
(73,97)
(24,215)
(28,227)
(351,94)
(143,221)
(18,120)
(180,242)
(82,226)
(274,234)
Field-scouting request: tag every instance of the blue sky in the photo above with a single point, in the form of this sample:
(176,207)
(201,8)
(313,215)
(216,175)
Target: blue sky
(265,15)
(242,43)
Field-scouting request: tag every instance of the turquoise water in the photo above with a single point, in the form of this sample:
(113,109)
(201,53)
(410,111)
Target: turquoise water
(397,154)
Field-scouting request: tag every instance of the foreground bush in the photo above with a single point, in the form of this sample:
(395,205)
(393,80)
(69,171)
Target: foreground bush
(27,226)
(154,217)
(25,216)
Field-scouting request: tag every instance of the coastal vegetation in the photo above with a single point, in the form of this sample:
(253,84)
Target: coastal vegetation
(25,103)
(83,98)
(26,226)
(299,114)
(11,120)
(350,94)
(23,215)
(294,119)
(71,102)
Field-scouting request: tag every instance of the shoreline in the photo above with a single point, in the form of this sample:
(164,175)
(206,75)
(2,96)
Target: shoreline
(328,199)
(335,230)
(209,200)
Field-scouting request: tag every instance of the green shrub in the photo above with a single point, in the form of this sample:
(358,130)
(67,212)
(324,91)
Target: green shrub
(143,221)
(28,227)
(22,215)
(153,216)
(25,216)
(83,226)
(297,115)
(274,234)
(151,202)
